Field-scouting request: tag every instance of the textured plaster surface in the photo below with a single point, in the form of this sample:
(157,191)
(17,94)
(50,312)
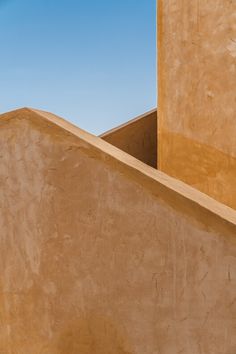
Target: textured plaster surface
(137,137)
(197,94)
(102,254)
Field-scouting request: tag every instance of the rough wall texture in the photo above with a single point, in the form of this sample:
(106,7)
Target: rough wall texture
(99,255)
(197,94)
(137,137)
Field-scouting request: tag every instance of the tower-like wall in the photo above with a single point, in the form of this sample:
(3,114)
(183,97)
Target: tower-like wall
(197,94)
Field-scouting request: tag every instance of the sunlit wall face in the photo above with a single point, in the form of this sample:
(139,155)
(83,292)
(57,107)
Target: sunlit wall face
(197,105)
(93,62)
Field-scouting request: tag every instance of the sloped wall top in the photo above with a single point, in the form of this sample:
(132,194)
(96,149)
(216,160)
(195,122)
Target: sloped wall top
(181,196)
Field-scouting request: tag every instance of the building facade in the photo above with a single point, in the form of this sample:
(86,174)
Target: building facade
(197,94)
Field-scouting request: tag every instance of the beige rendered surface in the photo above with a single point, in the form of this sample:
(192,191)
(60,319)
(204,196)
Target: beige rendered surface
(197,94)
(102,254)
(137,137)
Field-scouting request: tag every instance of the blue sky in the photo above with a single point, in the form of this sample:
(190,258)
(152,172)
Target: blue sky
(92,62)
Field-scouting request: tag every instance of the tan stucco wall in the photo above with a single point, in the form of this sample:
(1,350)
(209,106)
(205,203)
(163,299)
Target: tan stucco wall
(137,137)
(197,94)
(103,254)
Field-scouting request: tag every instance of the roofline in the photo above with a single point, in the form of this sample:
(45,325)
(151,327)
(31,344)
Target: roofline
(131,121)
(199,199)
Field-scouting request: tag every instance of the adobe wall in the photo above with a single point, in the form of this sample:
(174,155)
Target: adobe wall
(137,137)
(103,254)
(197,94)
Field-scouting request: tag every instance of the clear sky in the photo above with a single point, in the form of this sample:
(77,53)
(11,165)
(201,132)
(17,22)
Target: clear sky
(92,62)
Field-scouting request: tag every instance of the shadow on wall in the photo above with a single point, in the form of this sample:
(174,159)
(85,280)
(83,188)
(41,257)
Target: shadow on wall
(137,137)
(91,334)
